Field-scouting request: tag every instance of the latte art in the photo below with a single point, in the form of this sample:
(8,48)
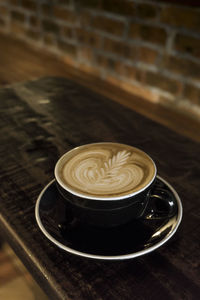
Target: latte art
(107,170)
(99,172)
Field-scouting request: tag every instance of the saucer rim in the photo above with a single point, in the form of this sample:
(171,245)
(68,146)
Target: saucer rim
(110,257)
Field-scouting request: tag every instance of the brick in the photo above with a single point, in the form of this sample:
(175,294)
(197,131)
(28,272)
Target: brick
(137,90)
(50,26)
(181,66)
(134,73)
(32,34)
(68,32)
(17,28)
(34,21)
(120,68)
(49,39)
(126,8)
(147,55)
(119,48)
(18,16)
(85,18)
(3,11)
(64,14)
(108,25)
(67,48)
(182,17)
(46,9)
(188,44)
(29,4)
(14,2)
(105,62)
(86,54)
(89,3)
(66,2)
(2,22)
(88,37)
(192,93)
(148,33)
(162,82)
(146,11)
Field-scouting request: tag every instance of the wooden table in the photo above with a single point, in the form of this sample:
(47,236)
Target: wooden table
(42,119)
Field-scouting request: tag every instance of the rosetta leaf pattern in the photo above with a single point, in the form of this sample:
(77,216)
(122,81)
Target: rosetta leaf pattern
(111,167)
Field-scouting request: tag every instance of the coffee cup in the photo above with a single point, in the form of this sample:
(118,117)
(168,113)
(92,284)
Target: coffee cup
(109,184)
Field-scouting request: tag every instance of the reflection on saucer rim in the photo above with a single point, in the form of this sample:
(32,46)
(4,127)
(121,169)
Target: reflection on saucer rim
(111,257)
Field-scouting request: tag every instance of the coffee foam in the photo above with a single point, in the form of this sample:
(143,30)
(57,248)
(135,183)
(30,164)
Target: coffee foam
(106,170)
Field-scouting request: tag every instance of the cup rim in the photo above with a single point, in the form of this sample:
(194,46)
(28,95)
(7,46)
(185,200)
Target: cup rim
(85,196)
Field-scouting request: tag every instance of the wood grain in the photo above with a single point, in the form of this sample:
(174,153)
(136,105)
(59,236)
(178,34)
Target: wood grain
(42,119)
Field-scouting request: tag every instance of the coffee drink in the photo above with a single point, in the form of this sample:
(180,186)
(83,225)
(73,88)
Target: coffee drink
(105,171)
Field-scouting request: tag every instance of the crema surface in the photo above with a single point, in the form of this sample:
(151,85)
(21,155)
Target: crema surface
(106,170)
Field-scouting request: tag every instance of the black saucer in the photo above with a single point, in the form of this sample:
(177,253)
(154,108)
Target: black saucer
(133,239)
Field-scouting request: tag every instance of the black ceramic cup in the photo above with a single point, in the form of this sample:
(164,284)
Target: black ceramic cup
(110,184)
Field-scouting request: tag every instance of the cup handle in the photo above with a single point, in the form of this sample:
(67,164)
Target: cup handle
(160,205)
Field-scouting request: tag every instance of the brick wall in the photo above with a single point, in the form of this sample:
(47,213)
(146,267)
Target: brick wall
(150,48)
